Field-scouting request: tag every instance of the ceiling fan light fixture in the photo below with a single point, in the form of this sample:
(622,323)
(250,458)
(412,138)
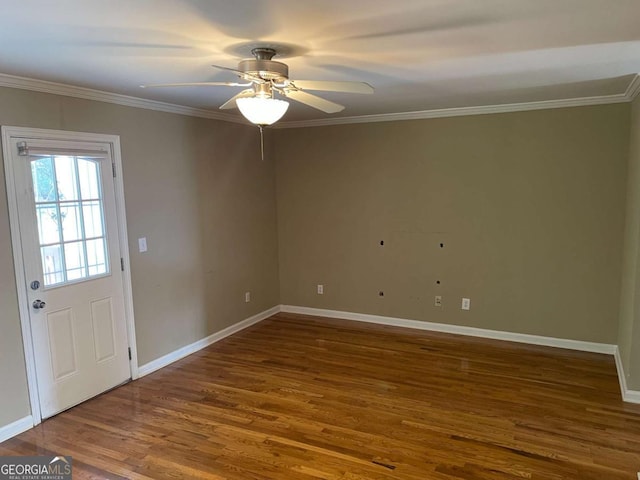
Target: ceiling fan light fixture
(262,111)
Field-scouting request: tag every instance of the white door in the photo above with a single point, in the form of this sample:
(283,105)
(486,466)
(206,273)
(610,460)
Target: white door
(70,246)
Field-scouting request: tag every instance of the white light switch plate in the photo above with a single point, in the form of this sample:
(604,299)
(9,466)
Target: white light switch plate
(142,244)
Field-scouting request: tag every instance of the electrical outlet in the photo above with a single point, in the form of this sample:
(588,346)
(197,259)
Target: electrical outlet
(466,304)
(438,301)
(320,289)
(247,297)
(142,244)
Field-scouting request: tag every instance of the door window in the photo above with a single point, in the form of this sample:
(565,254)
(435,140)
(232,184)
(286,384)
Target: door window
(70,215)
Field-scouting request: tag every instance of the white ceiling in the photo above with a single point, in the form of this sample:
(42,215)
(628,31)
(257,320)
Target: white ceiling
(418,54)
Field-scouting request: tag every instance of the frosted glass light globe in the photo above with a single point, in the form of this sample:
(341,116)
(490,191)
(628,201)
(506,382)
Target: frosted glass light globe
(262,111)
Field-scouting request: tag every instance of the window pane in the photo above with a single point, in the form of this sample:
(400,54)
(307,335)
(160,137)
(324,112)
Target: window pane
(69,209)
(52,264)
(47,215)
(66,176)
(89,175)
(74,258)
(92,219)
(44,184)
(96,256)
(70,219)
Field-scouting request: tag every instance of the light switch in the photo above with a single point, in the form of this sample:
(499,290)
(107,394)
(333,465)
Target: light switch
(142,244)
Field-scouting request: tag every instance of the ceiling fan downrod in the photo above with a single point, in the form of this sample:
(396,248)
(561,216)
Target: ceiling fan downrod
(263,53)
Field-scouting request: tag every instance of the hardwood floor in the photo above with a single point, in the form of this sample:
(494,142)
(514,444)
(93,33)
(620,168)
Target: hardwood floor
(296,397)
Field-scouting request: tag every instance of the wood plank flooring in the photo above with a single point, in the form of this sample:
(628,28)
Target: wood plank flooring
(302,398)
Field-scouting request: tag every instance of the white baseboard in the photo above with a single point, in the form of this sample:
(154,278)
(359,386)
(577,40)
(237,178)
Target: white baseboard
(631,396)
(16,428)
(457,329)
(169,358)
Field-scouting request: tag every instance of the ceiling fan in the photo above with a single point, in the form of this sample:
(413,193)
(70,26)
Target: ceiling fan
(265,78)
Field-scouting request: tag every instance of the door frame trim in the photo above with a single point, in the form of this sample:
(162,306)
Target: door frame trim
(9,133)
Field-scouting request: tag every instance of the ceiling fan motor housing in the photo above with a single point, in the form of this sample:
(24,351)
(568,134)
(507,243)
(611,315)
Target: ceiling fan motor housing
(262,66)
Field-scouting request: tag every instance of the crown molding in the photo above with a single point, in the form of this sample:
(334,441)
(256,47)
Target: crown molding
(12,81)
(630,93)
(633,89)
(23,83)
(460,111)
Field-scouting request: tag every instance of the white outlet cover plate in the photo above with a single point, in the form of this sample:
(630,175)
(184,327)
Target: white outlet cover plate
(142,244)
(320,289)
(247,297)
(466,304)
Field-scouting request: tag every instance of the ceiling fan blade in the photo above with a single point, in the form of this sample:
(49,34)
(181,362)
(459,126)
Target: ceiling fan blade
(197,84)
(346,87)
(229,69)
(244,75)
(231,103)
(313,101)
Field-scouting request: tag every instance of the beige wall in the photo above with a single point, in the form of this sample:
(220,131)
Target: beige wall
(629,333)
(198,191)
(529,207)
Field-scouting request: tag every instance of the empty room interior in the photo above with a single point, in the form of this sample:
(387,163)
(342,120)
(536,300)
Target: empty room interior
(420,262)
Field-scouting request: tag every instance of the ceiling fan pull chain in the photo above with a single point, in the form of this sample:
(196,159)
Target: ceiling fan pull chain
(261,143)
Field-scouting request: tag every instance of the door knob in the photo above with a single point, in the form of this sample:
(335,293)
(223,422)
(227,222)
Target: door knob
(38,304)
